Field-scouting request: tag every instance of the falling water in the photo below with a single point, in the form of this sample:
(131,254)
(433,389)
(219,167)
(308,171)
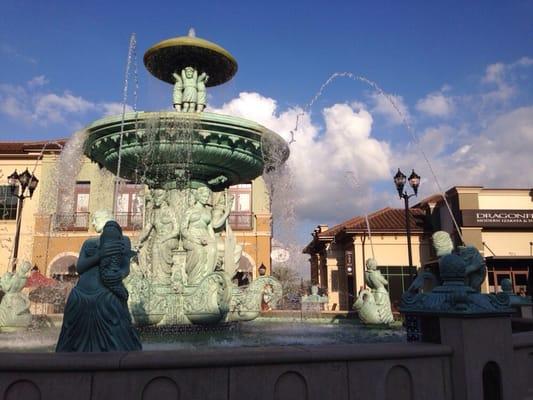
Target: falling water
(404,119)
(279,180)
(66,171)
(132,59)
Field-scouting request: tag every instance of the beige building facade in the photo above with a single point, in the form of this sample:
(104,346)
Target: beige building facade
(56,220)
(498,222)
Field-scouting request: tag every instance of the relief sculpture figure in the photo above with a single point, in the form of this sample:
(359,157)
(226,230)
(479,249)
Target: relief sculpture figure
(199,239)
(162,229)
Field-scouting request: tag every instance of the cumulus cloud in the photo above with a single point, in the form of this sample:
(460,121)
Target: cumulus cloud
(501,76)
(329,166)
(436,104)
(392,107)
(33,105)
(38,81)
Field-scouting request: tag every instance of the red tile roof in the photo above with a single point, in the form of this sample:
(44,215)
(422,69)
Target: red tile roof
(14,147)
(384,220)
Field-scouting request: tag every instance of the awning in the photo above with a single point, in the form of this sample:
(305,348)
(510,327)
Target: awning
(511,261)
(64,266)
(245,265)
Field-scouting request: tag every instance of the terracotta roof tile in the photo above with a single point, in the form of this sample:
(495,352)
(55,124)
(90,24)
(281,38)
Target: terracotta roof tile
(384,220)
(23,147)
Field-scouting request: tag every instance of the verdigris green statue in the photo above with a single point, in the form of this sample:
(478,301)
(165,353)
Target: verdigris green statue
(189,93)
(15,306)
(187,259)
(96,317)
(476,270)
(373,305)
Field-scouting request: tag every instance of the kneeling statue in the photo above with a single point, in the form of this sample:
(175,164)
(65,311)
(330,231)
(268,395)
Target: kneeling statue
(96,314)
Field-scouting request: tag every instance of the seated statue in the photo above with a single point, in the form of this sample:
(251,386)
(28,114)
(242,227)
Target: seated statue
(373,306)
(15,305)
(476,270)
(96,315)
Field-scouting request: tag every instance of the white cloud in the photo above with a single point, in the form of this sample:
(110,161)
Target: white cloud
(38,81)
(436,104)
(32,105)
(501,76)
(113,108)
(54,108)
(392,107)
(321,160)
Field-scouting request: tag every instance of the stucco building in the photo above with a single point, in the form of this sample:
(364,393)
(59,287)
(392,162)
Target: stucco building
(52,234)
(498,222)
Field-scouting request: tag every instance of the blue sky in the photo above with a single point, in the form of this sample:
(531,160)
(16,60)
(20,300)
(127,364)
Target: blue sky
(461,72)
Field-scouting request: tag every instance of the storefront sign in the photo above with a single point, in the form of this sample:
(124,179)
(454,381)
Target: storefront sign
(498,218)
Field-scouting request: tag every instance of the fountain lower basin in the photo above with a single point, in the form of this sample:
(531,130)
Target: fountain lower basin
(257,333)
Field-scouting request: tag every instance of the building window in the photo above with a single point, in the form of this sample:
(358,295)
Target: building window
(399,281)
(78,219)
(129,207)
(517,275)
(8,203)
(241,211)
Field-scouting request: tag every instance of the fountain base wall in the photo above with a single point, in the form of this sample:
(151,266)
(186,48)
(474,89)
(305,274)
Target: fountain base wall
(369,371)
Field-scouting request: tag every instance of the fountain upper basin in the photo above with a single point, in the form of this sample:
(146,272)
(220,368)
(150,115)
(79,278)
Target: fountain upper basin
(161,147)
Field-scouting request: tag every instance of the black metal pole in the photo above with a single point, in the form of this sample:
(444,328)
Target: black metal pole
(17,233)
(408,230)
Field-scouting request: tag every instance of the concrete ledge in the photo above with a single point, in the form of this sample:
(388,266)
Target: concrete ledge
(523,340)
(217,357)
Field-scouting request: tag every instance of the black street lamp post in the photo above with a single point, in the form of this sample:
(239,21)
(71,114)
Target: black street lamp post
(414,182)
(18,185)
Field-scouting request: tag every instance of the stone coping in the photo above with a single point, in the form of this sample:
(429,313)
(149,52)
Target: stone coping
(10,362)
(522,340)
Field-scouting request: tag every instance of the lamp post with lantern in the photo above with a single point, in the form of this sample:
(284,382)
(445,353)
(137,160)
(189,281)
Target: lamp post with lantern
(414,182)
(22,186)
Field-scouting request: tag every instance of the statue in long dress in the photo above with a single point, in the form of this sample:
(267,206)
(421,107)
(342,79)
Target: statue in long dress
(96,317)
(199,239)
(373,306)
(15,305)
(162,230)
(228,250)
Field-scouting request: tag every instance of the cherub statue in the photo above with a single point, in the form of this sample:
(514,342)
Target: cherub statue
(189,76)
(177,94)
(202,94)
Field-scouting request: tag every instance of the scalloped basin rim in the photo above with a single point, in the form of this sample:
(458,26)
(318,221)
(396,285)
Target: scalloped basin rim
(225,150)
(204,116)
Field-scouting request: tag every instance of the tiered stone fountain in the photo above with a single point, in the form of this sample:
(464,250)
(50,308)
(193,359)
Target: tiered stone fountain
(188,158)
